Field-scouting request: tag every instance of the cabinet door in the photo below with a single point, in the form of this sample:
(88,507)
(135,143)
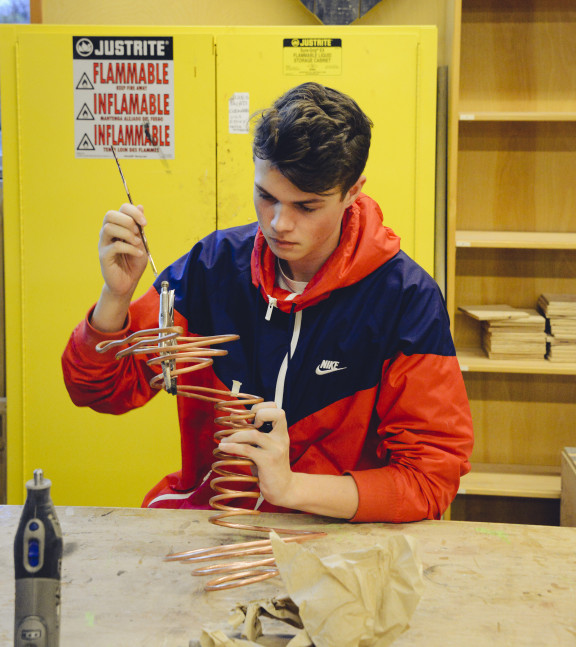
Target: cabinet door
(389,71)
(53,273)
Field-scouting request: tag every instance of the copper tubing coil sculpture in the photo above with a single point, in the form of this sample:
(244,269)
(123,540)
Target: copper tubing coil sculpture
(171,348)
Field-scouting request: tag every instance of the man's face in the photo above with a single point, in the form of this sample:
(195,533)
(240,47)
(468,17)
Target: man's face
(301,228)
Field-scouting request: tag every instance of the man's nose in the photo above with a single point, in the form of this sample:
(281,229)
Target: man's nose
(282,220)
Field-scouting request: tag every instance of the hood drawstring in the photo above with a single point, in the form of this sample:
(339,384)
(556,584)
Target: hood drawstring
(271,305)
(285,399)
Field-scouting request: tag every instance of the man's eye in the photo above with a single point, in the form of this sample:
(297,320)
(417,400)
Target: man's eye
(306,209)
(266,196)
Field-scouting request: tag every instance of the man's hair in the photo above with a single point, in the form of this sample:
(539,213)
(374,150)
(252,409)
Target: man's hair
(317,137)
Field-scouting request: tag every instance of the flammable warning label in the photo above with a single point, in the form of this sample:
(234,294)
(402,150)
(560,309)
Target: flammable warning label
(312,56)
(123,96)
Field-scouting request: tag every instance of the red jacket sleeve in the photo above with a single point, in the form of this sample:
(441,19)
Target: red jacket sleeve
(99,380)
(427,439)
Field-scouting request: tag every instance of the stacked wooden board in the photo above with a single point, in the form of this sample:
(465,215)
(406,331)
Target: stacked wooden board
(560,313)
(510,333)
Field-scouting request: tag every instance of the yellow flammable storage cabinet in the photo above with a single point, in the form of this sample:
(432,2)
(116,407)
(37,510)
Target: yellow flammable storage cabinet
(68,93)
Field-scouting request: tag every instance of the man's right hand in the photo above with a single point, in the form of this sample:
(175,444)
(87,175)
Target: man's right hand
(122,255)
(123,260)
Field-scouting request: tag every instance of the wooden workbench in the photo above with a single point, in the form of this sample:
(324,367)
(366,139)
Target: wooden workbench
(485,584)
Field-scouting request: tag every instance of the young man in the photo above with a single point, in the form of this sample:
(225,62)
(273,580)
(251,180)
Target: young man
(345,337)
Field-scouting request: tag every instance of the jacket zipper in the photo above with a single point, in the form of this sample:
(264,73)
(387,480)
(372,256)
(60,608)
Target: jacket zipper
(281,379)
(271,305)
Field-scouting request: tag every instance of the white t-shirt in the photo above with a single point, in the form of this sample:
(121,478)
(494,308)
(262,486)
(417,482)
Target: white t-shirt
(282,281)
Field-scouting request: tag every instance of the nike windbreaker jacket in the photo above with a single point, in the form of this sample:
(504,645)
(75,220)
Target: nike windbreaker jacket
(362,362)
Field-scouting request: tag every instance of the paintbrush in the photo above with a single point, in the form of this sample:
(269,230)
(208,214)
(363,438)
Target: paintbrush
(142,234)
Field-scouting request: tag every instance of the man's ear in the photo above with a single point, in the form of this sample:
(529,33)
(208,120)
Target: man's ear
(354,191)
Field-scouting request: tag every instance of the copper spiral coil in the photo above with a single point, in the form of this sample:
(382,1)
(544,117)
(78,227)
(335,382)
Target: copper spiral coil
(196,354)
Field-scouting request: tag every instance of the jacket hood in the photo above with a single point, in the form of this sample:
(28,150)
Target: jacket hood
(365,245)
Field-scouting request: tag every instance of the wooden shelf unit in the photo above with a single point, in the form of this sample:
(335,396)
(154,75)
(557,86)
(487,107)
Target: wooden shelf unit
(526,115)
(516,239)
(511,232)
(475,360)
(513,481)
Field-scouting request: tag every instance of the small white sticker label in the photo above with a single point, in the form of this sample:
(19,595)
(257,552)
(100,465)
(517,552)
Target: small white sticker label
(239,113)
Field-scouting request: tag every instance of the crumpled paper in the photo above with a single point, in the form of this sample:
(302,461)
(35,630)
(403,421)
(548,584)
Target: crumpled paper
(248,615)
(363,598)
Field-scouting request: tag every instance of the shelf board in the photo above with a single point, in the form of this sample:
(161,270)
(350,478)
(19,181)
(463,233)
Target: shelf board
(516,239)
(521,115)
(474,360)
(515,481)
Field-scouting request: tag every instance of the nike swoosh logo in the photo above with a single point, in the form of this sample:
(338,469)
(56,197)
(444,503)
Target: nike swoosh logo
(323,371)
